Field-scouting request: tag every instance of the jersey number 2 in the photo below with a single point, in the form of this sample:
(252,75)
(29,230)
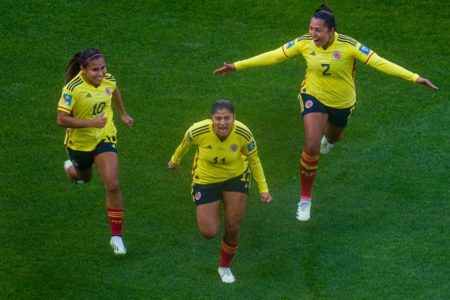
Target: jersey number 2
(216,160)
(327,68)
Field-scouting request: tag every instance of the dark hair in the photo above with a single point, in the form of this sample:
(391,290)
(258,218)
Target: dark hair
(81,58)
(325,13)
(222,104)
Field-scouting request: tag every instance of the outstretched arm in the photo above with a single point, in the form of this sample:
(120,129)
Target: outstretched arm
(266,59)
(390,68)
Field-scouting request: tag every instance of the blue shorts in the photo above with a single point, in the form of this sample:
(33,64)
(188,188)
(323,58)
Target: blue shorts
(208,193)
(336,116)
(83,160)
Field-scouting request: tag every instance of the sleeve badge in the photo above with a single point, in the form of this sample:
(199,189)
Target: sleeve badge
(364,49)
(67,99)
(290,44)
(251,146)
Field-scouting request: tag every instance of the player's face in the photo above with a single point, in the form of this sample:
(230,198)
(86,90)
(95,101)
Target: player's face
(95,71)
(321,34)
(223,121)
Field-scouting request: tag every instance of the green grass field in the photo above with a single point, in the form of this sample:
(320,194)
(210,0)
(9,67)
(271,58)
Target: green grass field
(380,220)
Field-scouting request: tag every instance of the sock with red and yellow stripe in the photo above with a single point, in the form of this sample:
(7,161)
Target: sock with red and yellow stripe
(308,165)
(115,220)
(227,253)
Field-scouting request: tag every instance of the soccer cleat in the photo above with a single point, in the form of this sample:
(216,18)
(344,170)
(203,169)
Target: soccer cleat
(304,210)
(325,146)
(226,275)
(67,165)
(118,246)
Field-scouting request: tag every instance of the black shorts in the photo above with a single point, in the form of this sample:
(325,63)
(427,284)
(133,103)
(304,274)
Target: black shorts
(336,116)
(208,193)
(83,160)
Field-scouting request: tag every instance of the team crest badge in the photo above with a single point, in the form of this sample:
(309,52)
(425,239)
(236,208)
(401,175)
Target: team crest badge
(337,55)
(108,91)
(234,148)
(197,196)
(309,104)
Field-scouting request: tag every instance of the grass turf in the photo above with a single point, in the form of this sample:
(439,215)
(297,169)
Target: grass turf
(379,227)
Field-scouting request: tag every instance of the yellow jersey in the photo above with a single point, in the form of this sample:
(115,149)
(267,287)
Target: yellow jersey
(217,161)
(85,101)
(329,72)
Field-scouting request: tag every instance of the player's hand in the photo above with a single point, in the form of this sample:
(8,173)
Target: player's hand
(127,120)
(171,165)
(227,68)
(99,121)
(266,197)
(426,82)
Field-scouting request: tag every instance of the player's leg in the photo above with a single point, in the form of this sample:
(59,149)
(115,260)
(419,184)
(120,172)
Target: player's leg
(207,201)
(334,130)
(333,133)
(234,204)
(314,126)
(107,164)
(79,166)
(208,219)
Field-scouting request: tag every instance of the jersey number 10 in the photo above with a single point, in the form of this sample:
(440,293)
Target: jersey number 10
(98,108)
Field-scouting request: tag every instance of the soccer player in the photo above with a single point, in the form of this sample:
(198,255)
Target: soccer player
(327,94)
(85,109)
(225,149)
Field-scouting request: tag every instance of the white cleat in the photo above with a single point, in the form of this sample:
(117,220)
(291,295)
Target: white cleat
(226,275)
(325,146)
(67,165)
(118,246)
(304,210)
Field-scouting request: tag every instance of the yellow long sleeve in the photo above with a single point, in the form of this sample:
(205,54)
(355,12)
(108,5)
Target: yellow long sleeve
(181,151)
(258,172)
(262,60)
(390,68)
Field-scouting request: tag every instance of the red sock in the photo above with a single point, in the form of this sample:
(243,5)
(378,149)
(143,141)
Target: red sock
(309,165)
(227,253)
(115,220)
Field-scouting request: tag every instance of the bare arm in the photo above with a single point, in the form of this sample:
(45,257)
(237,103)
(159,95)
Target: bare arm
(426,82)
(117,99)
(227,68)
(65,120)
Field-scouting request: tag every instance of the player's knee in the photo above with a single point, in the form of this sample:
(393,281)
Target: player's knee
(233,229)
(209,233)
(112,187)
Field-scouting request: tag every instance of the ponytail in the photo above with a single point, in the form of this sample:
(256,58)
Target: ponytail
(81,58)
